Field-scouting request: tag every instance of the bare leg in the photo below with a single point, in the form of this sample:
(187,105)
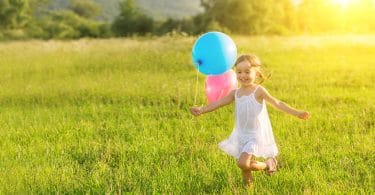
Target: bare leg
(257,166)
(247,178)
(244,164)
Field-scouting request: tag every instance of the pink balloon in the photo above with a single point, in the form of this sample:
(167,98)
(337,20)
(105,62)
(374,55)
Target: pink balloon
(218,86)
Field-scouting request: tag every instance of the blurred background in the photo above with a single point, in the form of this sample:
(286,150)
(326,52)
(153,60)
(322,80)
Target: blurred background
(73,19)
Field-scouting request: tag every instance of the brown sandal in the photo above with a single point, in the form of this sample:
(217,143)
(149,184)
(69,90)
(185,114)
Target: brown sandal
(271,166)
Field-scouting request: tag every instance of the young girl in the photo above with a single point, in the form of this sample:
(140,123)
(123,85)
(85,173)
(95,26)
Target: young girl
(252,135)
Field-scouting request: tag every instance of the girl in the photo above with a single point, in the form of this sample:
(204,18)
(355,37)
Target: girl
(252,135)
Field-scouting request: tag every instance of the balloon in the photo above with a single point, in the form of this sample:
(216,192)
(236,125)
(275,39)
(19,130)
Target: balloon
(217,87)
(214,53)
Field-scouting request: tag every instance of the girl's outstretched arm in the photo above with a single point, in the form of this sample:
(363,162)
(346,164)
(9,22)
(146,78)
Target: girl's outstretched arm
(197,110)
(281,105)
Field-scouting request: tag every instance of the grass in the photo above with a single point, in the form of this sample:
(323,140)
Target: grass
(111,116)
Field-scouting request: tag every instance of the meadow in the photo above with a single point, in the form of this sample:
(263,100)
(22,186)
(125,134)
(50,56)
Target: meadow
(112,116)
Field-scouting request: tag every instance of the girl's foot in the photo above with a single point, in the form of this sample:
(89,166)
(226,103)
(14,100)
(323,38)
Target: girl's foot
(271,166)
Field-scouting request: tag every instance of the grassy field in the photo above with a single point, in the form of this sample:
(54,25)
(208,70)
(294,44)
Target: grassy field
(111,116)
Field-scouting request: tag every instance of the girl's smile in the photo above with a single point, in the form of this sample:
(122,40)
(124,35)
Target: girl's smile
(246,74)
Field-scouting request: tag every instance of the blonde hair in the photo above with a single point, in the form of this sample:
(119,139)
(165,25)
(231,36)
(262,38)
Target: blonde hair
(254,62)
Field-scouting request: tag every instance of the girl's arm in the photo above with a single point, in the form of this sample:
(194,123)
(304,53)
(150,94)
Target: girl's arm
(196,111)
(281,105)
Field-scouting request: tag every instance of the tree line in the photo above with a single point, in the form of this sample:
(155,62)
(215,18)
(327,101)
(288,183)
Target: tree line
(23,19)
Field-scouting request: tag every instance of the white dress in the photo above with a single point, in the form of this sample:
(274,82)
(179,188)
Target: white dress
(252,132)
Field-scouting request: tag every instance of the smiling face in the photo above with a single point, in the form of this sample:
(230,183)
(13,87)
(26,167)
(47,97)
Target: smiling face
(246,74)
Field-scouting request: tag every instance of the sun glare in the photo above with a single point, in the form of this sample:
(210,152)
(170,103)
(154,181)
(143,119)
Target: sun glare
(298,2)
(342,3)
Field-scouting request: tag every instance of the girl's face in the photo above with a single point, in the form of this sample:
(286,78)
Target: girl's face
(246,74)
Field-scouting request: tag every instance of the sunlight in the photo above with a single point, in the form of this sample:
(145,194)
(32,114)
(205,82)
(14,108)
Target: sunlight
(298,2)
(342,3)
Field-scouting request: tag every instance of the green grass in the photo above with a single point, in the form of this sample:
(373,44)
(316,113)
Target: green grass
(111,116)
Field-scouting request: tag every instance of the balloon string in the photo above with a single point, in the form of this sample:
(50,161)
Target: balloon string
(196,88)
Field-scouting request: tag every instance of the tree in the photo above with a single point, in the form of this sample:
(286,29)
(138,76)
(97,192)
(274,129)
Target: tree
(263,17)
(66,24)
(131,20)
(243,16)
(16,16)
(13,13)
(85,8)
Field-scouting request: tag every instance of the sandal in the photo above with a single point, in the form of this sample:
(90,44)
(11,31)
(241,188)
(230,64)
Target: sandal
(271,166)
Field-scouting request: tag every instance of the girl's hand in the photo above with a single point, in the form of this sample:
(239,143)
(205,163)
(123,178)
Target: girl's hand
(303,115)
(196,111)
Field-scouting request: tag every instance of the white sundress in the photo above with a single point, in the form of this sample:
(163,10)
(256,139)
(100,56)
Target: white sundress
(252,132)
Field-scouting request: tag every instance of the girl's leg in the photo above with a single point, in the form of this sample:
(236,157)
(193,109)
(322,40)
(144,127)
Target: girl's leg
(269,165)
(247,177)
(244,164)
(247,164)
(246,161)
(257,166)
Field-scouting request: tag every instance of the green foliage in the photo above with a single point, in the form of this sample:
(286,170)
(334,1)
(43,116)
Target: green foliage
(31,19)
(131,20)
(16,16)
(245,17)
(178,26)
(66,24)
(85,8)
(22,19)
(13,13)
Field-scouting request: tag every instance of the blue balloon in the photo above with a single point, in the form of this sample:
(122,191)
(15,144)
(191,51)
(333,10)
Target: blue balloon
(214,53)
